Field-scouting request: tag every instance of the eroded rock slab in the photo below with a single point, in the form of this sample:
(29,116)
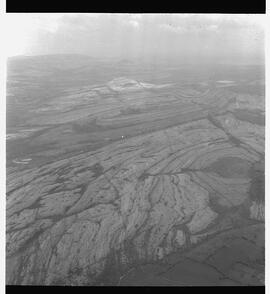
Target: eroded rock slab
(143,198)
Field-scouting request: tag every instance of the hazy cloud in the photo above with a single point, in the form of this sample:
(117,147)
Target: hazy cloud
(148,36)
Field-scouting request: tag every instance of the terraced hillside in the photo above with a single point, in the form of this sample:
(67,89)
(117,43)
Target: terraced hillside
(136,182)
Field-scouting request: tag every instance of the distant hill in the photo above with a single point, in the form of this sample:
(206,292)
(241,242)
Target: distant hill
(61,61)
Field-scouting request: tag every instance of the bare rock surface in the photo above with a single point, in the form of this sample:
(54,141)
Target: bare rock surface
(137,183)
(66,220)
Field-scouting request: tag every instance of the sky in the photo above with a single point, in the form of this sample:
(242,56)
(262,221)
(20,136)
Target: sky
(184,37)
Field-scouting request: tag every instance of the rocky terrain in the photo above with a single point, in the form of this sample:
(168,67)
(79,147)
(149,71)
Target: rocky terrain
(129,180)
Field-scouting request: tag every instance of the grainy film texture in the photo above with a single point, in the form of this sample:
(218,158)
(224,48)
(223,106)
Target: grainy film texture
(135,150)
